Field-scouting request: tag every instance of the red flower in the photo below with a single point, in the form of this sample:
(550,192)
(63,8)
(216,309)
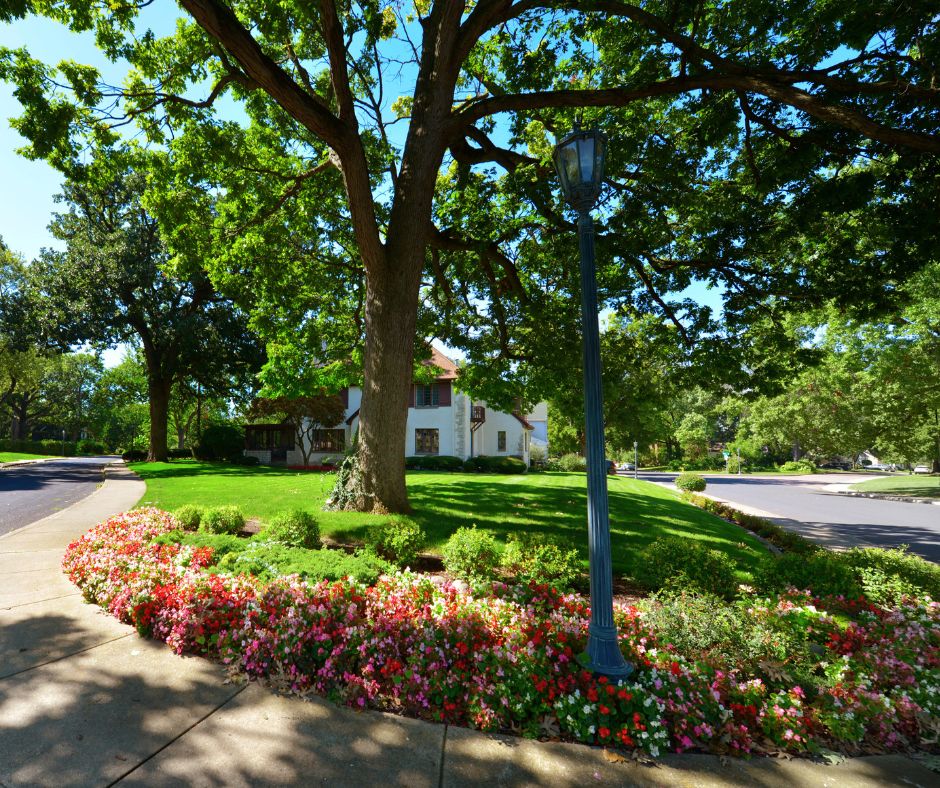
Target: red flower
(604,733)
(603,709)
(675,669)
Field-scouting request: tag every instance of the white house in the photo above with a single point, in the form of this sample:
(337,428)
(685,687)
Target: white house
(441,420)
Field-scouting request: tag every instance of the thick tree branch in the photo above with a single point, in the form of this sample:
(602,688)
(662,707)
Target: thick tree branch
(332,30)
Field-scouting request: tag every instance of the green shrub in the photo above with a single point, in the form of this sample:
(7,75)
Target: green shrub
(222,520)
(267,560)
(89,447)
(541,561)
(907,570)
(294,529)
(683,564)
(180,454)
(823,572)
(434,462)
(798,466)
(397,539)
(134,455)
(471,554)
(704,627)
(495,465)
(220,442)
(572,463)
(244,459)
(189,516)
(690,482)
(221,544)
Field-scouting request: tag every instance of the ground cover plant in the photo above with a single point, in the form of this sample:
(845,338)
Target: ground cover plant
(790,672)
(914,486)
(13,456)
(543,506)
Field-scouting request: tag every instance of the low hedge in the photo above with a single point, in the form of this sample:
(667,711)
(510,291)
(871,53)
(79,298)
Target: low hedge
(485,464)
(433,462)
(681,564)
(52,448)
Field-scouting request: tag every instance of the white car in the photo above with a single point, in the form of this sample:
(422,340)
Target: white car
(922,469)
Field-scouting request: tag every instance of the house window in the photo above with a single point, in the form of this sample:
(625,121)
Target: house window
(427,442)
(426,396)
(328,440)
(267,437)
(501,440)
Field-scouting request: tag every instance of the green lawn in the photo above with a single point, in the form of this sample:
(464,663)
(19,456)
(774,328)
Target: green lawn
(545,503)
(13,456)
(918,486)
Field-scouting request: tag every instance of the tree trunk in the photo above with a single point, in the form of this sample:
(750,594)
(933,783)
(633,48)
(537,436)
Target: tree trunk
(390,320)
(159,395)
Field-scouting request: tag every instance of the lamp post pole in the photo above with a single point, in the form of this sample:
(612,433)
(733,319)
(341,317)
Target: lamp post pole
(636,462)
(579,160)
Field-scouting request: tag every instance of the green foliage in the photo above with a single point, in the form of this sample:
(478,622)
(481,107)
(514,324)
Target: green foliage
(896,566)
(296,528)
(798,466)
(244,459)
(471,554)
(434,462)
(823,572)
(732,635)
(47,447)
(222,520)
(397,539)
(189,516)
(690,482)
(541,560)
(671,562)
(267,560)
(134,455)
(571,463)
(221,442)
(90,447)
(495,465)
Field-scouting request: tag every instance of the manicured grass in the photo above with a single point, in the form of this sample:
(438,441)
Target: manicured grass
(916,486)
(549,504)
(13,456)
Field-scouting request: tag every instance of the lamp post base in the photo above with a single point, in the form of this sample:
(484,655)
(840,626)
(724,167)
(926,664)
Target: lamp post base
(603,655)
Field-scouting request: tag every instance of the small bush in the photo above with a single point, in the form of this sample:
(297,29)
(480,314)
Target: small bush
(89,447)
(244,459)
(572,463)
(690,482)
(294,529)
(471,554)
(267,560)
(434,462)
(220,442)
(495,465)
(823,572)
(134,455)
(671,562)
(910,571)
(189,516)
(397,539)
(798,466)
(222,520)
(180,454)
(541,561)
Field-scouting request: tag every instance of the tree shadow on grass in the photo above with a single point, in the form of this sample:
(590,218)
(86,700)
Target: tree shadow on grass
(558,509)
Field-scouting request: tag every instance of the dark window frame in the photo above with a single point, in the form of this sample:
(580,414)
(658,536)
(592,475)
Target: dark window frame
(427,395)
(501,441)
(433,434)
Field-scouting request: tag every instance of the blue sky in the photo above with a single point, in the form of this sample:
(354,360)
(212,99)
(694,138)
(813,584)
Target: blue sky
(26,199)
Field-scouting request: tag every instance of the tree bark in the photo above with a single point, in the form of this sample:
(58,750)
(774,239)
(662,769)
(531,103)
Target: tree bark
(159,395)
(390,320)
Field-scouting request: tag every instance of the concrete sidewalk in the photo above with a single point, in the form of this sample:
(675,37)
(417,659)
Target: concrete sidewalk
(84,701)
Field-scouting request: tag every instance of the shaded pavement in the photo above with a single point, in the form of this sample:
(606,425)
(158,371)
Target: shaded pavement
(84,701)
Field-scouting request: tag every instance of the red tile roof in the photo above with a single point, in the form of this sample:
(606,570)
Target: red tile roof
(448,367)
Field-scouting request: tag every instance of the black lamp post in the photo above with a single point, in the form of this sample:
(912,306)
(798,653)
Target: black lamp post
(579,159)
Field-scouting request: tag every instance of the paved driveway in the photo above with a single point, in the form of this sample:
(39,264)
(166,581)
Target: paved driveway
(31,492)
(811,506)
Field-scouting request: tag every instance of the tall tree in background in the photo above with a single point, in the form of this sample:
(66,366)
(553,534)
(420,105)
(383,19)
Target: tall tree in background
(727,125)
(109,287)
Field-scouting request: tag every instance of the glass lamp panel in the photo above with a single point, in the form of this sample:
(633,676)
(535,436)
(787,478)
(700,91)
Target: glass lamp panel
(586,159)
(600,154)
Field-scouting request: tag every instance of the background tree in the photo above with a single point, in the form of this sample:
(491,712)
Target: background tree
(110,287)
(305,414)
(732,133)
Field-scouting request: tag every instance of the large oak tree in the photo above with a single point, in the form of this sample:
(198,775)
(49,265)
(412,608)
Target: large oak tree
(724,116)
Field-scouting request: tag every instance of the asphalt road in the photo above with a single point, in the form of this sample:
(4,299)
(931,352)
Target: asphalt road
(31,492)
(809,505)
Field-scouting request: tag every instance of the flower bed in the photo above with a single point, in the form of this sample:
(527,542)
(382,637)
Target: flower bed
(506,659)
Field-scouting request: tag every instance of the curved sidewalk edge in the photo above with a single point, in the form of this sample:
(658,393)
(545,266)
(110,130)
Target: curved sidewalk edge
(85,701)
(887,497)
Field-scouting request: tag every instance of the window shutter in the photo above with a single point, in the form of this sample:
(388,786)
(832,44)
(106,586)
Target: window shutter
(411,397)
(344,396)
(443,392)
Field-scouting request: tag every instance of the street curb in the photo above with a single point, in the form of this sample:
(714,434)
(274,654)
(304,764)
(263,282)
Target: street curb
(881,497)
(29,462)
(98,489)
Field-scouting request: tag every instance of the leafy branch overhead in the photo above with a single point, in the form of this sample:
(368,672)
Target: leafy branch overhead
(386,175)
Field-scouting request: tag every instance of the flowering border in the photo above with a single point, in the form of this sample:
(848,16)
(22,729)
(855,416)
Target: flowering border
(506,660)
